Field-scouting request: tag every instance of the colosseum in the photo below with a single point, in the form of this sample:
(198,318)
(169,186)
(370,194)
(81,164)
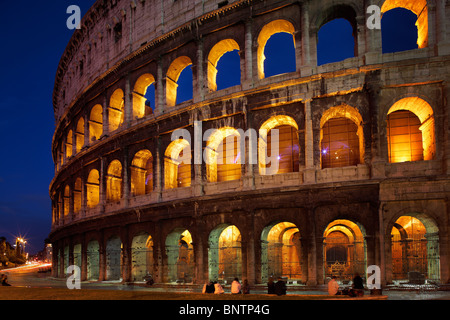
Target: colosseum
(147,183)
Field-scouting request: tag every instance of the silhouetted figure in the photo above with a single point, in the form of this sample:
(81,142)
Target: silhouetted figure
(280,287)
(271,286)
(245,287)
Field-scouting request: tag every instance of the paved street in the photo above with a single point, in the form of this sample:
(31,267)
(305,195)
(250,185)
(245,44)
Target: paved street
(29,277)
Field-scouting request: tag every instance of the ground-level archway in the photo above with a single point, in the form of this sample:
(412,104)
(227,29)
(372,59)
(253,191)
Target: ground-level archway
(344,250)
(281,252)
(415,249)
(180,256)
(142,261)
(225,253)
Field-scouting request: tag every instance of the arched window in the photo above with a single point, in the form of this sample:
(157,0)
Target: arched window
(223,155)
(338,34)
(342,138)
(177,164)
(79,134)
(69,144)
(282,154)
(93,189)
(420,9)
(399,30)
(336,42)
(114,181)
(116,110)
(96,123)
(143,96)
(77,196)
(179,89)
(66,201)
(142,173)
(226,55)
(285,57)
(410,131)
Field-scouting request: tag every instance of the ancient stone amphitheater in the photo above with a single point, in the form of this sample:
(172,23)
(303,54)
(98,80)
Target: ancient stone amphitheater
(364,152)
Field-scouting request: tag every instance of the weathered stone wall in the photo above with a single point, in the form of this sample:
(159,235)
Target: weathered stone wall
(372,194)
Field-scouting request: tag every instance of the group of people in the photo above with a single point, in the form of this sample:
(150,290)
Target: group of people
(278,288)
(236,287)
(357,289)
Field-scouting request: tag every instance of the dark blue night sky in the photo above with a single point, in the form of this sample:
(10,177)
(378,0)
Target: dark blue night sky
(34,36)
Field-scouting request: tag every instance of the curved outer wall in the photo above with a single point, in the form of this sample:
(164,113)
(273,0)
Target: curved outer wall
(121,40)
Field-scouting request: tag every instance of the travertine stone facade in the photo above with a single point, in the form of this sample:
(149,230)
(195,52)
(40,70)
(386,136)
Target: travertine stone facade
(103,223)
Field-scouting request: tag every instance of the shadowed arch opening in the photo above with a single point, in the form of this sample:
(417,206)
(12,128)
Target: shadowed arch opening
(113,259)
(93,260)
(336,42)
(77,200)
(274,27)
(225,254)
(142,261)
(180,256)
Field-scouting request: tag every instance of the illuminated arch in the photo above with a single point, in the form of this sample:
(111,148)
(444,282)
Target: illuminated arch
(66,201)
(420,9)
(96,123)
(264,144)
(142,173)
(415,247)
(79,134)
(177,164)
(173,73)
(424,112)
(114,181)
(140,109)
(344,249)
(93,189)
(215,157)
(77,201)
(69,144)
(116,110)
(281,251)
(214,56)
(267,31)
(344,112)
(225,253)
